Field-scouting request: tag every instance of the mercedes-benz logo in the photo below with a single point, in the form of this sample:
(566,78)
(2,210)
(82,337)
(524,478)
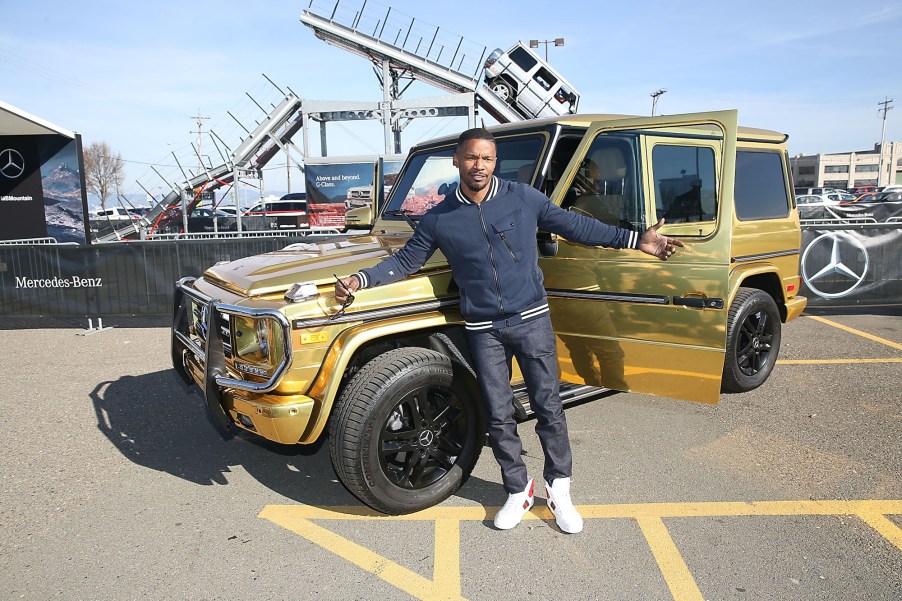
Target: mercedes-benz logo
(12,165)
(426,438)
(842,244)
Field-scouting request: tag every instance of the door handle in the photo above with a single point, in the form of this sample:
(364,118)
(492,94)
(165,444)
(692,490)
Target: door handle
(698,300)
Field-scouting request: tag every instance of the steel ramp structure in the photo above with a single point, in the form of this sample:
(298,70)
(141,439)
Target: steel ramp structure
(251,155)
(425,52)
(257,149)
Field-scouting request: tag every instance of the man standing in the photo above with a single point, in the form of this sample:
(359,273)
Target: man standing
(487,231)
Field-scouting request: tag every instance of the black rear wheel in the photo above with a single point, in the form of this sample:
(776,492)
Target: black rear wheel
(753,340)
(407,430)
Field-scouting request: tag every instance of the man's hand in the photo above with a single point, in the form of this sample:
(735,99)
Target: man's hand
(653,243)
(344,287)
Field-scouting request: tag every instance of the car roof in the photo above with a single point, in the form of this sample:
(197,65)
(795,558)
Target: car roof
(584,120)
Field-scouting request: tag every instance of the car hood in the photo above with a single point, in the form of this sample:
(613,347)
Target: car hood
(317,262)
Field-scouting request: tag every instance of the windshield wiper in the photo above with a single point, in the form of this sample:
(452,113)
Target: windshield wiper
(405,213)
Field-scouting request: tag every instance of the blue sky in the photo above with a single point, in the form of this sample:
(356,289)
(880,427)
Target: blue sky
(134,74)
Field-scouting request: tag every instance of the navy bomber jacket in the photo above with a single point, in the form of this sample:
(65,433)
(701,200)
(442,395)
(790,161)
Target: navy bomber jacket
(491,247)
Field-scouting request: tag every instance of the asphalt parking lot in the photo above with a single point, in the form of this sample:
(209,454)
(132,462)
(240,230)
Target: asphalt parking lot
(114,486)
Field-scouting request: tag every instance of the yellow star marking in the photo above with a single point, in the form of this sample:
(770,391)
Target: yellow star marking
(446,585)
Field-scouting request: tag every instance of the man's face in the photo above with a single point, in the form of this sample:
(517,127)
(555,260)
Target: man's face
(475,159)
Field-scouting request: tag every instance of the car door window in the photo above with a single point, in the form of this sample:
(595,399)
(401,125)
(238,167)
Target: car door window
(685,186)
(606,183)
(760,190)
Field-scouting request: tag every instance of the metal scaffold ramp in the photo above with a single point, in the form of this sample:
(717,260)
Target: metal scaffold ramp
(272,134)
(425,52)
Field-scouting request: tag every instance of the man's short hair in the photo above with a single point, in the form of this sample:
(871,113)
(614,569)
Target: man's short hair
(477,133)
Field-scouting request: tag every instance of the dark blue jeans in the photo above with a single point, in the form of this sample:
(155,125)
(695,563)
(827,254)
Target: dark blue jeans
(532,343)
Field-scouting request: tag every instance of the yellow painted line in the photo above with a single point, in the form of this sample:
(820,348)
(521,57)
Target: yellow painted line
(675,571)
(836,361)
(730,509)
(446,572)
(446,582)
(661,510)
(889,343)
(396,575)
(885,527)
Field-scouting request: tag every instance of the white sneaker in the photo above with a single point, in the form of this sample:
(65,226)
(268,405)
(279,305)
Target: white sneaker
(515,508)
(565,514)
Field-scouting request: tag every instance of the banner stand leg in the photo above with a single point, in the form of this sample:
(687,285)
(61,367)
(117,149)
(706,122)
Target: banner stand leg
(91,329)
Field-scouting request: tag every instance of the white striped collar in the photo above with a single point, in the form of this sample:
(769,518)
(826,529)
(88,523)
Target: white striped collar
(493,190)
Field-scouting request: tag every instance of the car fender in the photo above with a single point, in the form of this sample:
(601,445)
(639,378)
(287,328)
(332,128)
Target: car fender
(344,347)
(763,276)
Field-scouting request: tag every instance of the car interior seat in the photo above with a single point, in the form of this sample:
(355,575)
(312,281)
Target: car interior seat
(603,176)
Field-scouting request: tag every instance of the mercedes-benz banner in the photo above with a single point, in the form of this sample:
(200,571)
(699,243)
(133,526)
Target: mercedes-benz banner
(21,193)
(851,254)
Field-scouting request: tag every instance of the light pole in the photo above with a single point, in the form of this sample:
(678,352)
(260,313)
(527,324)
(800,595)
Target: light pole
(654,99)
(886,108)
(555,41)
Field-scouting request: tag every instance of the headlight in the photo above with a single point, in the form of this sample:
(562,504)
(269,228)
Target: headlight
(258,341)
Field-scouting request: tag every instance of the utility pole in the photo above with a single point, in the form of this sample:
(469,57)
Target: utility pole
(887,106)
(654,99)
(199,119)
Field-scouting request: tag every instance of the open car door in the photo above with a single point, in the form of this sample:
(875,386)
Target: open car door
(626,320)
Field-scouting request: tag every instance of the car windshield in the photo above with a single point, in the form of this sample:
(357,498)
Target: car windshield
(431,175)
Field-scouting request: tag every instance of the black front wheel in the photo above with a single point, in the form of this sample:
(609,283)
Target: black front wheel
(753,340)
(407,430)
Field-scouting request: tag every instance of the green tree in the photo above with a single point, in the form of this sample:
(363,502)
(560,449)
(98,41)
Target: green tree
(104,170)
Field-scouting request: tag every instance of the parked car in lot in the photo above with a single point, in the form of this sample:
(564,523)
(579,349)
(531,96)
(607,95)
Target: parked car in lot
(204,219)
(113,214)
(138,211)
(389,378)
(290,211)
(817,200)
(839,197)
(859,190)
(890,196)
(809,191)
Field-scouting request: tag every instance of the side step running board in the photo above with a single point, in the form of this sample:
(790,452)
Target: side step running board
(570,393)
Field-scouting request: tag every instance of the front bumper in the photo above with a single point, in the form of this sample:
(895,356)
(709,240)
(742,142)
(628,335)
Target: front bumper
(200,346)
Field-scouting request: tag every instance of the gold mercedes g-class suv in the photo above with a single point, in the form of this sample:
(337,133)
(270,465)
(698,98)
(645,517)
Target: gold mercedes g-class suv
(389,377)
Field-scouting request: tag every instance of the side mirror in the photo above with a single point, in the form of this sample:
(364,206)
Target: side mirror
(359,217)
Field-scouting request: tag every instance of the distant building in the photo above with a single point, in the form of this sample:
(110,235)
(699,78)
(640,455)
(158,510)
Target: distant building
(849,170)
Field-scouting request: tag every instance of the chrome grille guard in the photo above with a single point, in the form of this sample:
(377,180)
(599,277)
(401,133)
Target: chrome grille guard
(211,354)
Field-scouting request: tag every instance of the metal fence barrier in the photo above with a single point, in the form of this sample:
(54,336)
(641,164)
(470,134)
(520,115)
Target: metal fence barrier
(114,279)
(843,263)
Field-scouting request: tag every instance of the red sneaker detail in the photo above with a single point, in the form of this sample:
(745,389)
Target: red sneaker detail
(532,486)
